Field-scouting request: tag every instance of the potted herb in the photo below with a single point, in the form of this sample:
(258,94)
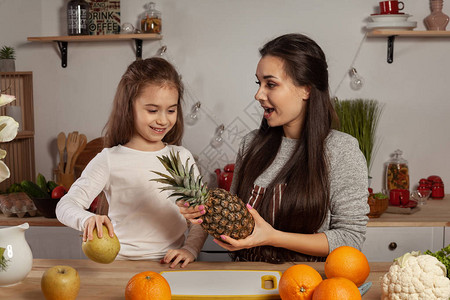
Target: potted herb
(7,59)
(359,118)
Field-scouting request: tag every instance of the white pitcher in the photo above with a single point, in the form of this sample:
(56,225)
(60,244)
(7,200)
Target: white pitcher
(17,258)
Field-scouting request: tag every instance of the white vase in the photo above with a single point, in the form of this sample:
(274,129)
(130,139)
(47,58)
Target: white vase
(17,255)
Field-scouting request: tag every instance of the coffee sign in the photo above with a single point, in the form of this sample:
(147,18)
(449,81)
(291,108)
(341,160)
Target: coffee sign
(104,17)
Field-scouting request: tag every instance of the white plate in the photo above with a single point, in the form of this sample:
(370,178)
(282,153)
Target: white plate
(390,18)
(392,25)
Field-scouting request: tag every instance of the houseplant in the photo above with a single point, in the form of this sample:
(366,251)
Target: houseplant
(7,59)
(359,118)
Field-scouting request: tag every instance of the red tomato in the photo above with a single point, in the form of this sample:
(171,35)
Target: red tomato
(58,192)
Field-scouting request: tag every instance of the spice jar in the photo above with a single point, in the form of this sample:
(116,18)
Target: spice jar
(151,19)
(397,172)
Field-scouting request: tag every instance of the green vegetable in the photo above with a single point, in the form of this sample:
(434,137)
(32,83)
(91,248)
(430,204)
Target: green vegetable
(33,190)
(3,260)
(443,256)
(42,183)
(51,185)
(14,188)
(380,196)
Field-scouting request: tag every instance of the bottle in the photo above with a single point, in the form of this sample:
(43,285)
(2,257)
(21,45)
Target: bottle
(397,172)
(151,20)
(77,17)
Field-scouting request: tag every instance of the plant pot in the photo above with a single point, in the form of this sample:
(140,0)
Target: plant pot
(7,65)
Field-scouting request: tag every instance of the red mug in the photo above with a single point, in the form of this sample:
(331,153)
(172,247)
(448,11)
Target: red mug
(398,197)
(391,7)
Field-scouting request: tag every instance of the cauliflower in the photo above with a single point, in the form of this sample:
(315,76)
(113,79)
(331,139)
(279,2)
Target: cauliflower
(415,277)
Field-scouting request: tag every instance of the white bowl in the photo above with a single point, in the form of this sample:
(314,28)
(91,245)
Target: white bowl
(389,18)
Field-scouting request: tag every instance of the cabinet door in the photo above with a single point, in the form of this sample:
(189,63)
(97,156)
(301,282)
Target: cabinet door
(213,252)
(384,244)
(447,236)
(58,242)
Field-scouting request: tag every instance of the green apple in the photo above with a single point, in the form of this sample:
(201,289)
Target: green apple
(60,282)
(102,250)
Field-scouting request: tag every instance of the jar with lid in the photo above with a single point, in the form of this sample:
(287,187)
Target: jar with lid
(77,17)
(151,19)
(397,172)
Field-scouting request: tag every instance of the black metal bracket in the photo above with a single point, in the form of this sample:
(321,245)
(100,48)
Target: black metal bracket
(138,43)
(63,49)
(390,49)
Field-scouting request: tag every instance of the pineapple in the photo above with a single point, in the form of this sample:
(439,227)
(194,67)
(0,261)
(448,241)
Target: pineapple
(225,213)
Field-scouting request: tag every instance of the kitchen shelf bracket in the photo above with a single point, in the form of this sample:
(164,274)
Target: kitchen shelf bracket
(390,49)
(63,49)
(138,43)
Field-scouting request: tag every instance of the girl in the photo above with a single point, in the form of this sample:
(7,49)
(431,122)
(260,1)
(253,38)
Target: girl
(146,121)
(305,184)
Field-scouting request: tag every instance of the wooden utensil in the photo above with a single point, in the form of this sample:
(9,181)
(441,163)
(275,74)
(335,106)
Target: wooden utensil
(72,146)
(81,145)
(61,141)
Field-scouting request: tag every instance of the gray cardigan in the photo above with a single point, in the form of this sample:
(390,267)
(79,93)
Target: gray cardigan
(346,221)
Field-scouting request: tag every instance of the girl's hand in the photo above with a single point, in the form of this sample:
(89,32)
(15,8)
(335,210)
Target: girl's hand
(177,256)
(191,213)
(97,221)
(260,236)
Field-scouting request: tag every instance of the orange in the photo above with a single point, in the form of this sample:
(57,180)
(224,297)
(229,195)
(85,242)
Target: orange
(298,282)
(336,288)
(147,285)
(347,262)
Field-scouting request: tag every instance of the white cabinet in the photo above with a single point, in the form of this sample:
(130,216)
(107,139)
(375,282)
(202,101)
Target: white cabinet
(446,236)
(54,242)
(387,243)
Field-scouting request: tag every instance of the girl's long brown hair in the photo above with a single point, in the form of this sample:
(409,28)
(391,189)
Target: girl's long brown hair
(305,199)
(120,126)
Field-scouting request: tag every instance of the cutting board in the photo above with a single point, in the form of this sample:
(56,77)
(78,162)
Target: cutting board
(222,284)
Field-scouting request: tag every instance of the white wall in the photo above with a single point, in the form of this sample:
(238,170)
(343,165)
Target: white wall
(214,44)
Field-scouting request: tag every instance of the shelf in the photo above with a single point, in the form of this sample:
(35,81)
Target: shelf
(408,33)
(63,41)
(391,34)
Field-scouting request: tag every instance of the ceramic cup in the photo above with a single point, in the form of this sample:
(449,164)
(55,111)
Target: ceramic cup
(391,7)
(398,197)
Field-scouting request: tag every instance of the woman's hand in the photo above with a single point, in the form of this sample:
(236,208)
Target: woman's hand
(191,213)
(177,256)
(97,221)
(260,236)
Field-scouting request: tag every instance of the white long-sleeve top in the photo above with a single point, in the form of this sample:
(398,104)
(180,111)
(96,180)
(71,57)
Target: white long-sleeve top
(146,220)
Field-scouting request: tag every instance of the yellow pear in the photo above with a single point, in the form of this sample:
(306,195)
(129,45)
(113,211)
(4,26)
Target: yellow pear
(102,250)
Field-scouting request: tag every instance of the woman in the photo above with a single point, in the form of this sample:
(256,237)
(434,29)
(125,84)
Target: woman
(304,183)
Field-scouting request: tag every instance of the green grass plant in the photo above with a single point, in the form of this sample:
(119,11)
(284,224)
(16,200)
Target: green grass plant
(359,118)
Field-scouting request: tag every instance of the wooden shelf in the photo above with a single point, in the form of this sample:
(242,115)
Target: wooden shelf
(96,38)
(391,34)
(63,41)
(408,33)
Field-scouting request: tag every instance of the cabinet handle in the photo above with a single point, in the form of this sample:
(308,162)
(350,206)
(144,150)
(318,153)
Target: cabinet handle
(392,246)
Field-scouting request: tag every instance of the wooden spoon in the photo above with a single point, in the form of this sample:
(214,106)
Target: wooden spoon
(72,146)
(61,141)
(81,145)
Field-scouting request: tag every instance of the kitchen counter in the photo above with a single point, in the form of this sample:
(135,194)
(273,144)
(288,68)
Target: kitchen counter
(436,213)
(100,281)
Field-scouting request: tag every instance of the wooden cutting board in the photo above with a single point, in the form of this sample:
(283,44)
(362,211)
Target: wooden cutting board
(223,284)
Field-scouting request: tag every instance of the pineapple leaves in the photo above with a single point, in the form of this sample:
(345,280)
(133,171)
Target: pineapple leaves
(181,181)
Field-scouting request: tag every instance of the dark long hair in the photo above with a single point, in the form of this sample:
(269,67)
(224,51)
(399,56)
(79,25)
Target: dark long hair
(120,126)
(305,199)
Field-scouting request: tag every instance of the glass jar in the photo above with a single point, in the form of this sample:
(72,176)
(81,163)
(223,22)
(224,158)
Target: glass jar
(77,17)
(151,19)
(397,172)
